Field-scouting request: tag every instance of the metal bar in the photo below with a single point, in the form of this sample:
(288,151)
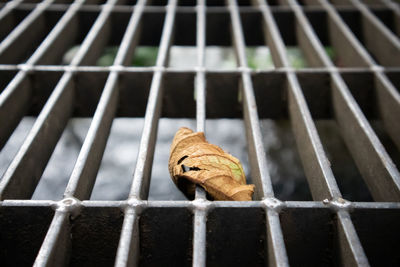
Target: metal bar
(352,53)
(186,204)
(22,176)
(20,179)
(59,39)
(23,34)
(396,10)
(350,251)
(141,177)
(128,248)
(389,105)
(365,146)
(360,137)
(276,247)
(57,242)
(316,166)
(15,99)
(349,50)
(7,17)
(257,156)
(85,170)
(328,188)
(387,50)
(200,214)
(200,75)
(96,39)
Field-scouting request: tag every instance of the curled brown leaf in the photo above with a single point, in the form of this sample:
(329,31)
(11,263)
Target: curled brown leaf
(193,161)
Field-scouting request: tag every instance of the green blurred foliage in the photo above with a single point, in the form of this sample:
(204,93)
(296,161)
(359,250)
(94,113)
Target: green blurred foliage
(257,57)
(144,56)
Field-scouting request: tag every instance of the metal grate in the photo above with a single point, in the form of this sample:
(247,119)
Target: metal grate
(360,85)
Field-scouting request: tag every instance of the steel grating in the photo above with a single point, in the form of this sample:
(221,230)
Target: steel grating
(329,230)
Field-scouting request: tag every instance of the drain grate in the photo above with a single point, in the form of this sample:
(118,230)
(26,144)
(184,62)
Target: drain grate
(351,76)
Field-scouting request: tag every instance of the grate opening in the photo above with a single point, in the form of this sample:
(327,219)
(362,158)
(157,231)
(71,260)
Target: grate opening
(233,142)
(387,142)
(161,241)
(5,78)
(123,142)
(376,229)
(290,184)
(348,177)
(236,237)
(72,39)
(14,142)
(94,236)
(310,236)
(55,177)
(23,237)
(13,18)
(160,190)
(16,54)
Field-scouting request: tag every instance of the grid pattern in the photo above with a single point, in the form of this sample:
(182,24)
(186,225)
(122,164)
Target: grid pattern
(360,85)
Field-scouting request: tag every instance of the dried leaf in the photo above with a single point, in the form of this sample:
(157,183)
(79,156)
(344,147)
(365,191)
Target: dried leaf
(193,161)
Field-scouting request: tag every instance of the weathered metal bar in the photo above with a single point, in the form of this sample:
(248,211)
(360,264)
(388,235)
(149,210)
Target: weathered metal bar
(141,177)
(350,249)
(200,214)
(56,246)
(59,39)
(327,188)
(396,11)
(187,204)
(357,132)
(23,34)
(15,99)
(257,156)
(21,177)
(365,146)
(344,41)
(318,172)
(7,18)
(276,248)
(85,170)
(128,248)
(387,50)
(24,174)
